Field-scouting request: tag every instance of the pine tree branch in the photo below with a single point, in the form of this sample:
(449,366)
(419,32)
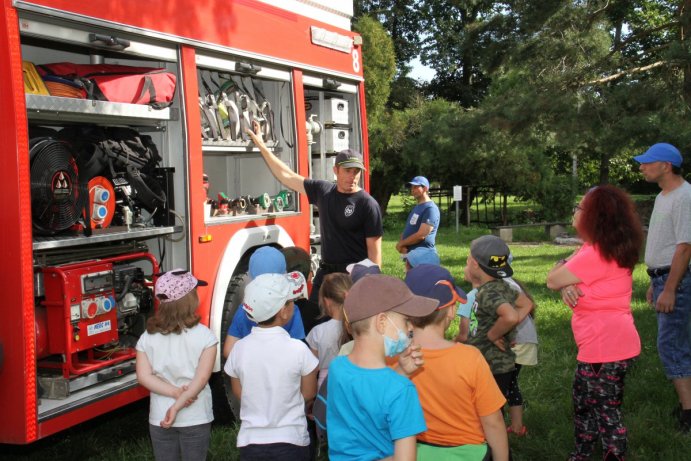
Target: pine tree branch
(618,75)
(642,34)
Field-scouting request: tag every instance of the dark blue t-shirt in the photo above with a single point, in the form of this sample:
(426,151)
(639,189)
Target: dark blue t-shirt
(423,213)
(345,221)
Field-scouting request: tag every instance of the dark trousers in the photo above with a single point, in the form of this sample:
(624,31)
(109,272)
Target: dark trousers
(274,452)
(503,381)
(189,443)
(598,392)
(514,397)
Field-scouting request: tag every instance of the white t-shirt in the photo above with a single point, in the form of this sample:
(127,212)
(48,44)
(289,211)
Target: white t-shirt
(174,358)
(324,339)
(270,365)
(525,331)
(670,225)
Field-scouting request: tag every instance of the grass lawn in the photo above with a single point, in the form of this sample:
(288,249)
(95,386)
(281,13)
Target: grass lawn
(649,397)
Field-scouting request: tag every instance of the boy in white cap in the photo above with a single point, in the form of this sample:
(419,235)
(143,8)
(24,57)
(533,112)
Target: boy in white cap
(265,260)
(273,374)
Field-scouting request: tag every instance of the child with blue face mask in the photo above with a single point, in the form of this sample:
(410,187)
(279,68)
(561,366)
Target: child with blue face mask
(373,412)
(393,347)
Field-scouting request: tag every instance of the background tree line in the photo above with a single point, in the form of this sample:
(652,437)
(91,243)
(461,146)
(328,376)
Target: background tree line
(540,99)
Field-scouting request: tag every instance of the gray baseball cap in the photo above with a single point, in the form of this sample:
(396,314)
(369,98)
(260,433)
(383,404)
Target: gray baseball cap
(350,158)
(492,254)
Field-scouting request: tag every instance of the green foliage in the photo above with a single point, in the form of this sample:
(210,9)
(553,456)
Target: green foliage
(556,196)
(387,136)
(548,82)
(378,64)
(402,20)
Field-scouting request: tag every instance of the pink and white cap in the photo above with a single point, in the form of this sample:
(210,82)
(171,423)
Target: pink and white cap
(175,284)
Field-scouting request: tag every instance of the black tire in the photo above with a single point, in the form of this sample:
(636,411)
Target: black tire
(226,406)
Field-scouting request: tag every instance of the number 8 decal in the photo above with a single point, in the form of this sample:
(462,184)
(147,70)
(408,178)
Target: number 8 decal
(356,61)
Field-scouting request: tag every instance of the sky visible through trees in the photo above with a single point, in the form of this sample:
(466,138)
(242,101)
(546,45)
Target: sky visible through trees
(525,93)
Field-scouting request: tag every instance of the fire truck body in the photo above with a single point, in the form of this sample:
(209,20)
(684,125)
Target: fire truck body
(81,249)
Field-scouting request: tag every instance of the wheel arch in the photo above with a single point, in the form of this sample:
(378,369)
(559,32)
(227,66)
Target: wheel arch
(241,244)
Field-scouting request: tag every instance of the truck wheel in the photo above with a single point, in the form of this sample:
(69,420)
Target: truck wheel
(226,406)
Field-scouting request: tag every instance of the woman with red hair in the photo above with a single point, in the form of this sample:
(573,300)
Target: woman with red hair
(596,282)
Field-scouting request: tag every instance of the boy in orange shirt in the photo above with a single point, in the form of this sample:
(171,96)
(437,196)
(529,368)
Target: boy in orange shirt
(459,396)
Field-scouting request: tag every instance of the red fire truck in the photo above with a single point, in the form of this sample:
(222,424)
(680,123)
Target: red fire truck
(103,190)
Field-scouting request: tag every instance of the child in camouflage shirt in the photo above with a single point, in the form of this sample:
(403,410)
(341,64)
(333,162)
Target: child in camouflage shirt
(492,317)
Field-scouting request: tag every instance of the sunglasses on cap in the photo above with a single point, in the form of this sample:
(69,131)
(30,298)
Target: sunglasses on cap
(455,297)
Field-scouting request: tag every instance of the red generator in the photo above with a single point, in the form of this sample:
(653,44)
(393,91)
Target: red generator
(86,308)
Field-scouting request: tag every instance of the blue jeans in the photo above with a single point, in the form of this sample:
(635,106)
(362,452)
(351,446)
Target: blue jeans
(674,329)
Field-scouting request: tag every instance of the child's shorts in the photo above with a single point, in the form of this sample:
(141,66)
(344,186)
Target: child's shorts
(526,354)
(465,452)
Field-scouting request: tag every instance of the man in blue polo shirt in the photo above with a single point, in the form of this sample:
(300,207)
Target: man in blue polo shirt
(423,221)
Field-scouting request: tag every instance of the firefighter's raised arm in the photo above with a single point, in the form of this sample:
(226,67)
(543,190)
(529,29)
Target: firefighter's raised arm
(280,170)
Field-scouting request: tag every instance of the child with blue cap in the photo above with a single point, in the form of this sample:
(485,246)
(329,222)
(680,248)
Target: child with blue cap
(265,260)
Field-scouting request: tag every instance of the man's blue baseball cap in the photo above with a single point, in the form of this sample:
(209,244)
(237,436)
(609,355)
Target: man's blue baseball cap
(267,260)
(434,282)
(661,152)
(422,255)
(419,181)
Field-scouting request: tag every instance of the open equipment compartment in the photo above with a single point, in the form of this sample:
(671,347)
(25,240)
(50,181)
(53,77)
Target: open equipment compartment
(93,271)
(233,94)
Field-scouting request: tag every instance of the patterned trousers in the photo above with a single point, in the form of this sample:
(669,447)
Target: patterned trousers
(598,392)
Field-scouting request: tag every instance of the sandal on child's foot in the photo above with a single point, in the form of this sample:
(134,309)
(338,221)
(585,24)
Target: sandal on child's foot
(520,433)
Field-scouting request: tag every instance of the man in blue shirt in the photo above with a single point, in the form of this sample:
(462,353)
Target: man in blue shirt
(423,221)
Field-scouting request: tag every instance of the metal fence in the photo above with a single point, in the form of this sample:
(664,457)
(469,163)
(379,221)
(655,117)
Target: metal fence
(482,205)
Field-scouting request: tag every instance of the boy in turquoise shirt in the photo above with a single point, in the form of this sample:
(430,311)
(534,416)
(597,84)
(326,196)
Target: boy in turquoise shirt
(374,412)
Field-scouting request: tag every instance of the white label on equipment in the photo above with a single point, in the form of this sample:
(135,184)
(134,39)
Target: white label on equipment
(96,328)
(457,193)
(75,312)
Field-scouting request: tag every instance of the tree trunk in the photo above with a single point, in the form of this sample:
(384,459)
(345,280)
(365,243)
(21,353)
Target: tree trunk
(380,191)
(604,168)
(685,38)
(504,209)
(467,63)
